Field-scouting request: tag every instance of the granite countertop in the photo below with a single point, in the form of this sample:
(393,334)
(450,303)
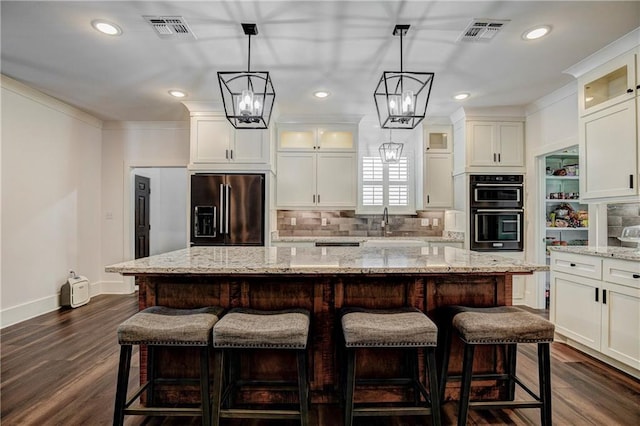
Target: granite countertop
(323,260)
(313,239)
(622,253)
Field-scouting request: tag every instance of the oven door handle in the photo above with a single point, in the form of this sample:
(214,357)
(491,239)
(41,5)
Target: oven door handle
(515,185)
(499,210)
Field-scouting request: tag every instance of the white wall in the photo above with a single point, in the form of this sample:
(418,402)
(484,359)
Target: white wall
(127,145)
(168,213)
(50,200)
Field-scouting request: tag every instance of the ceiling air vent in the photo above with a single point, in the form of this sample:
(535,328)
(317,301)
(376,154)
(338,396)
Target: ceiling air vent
(170,26)
(482,29)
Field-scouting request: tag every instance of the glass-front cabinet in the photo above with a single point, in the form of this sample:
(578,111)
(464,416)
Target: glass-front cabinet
(304,137)
(605,86)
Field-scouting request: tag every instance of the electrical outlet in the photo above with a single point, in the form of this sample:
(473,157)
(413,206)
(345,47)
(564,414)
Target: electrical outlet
(324,221)
(293,221)
(435,221)
(424,222)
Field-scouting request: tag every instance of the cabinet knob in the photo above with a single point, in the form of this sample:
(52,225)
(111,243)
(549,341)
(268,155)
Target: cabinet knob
(572,265)
(636,276)
(629,90)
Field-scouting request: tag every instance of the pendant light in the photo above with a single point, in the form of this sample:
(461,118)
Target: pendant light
(402,97)
(247,96)
(390,152)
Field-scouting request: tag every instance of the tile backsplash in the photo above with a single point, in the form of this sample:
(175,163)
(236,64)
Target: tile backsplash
(619,216)
(345,223)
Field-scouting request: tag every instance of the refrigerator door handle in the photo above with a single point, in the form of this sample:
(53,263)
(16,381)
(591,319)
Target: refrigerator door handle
(222,231)
(228,209)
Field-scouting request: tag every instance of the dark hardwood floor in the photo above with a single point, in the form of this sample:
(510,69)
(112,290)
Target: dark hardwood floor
(60,369)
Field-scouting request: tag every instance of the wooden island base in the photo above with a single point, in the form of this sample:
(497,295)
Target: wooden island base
(323,295)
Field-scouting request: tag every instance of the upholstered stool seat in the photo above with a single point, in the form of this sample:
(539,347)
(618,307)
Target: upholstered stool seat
(506,326)
(161,326)
(404,329)
(244,329)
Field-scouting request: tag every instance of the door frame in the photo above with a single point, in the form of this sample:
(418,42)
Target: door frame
(128,223)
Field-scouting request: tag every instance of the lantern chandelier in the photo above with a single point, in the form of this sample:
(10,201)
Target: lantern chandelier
(390,152)
(402,97)
(247,96)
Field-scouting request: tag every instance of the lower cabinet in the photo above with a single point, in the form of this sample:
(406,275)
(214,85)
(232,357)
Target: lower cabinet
(600,311)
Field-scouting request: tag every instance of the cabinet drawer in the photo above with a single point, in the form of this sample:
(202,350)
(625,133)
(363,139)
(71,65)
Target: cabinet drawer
(622,272)
(575,264)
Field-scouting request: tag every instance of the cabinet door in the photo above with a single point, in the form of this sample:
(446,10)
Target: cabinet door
(210,140)
(621,324)
(607,85)
(438,182)
(608,145)
(251,146)
(574,308)
(337,138)
(336,180)
(296,180)
(482,144)
(294,137)
(511,149)
(437,139)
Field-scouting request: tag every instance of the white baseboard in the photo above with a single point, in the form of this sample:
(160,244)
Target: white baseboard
(32,309)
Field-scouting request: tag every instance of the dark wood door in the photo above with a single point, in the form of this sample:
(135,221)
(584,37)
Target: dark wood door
(142,226)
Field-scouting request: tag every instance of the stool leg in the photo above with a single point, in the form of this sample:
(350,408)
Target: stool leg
(303,387)
(433,386)
(512,352)
(121,387)
(445,347)
(465,386)
(350,386)
(544,376)
(217,387)
(151,375)
(412,361)
(205,396)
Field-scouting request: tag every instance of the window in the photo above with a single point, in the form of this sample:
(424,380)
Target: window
(385,185)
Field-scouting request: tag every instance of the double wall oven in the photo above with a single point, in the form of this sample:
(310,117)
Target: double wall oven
(497,212)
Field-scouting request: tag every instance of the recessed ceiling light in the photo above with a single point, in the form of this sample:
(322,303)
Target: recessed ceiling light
(536,32)
(461,96)
(177,93)
(321,94)
(106,27)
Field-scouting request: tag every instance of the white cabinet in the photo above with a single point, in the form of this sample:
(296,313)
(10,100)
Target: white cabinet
(438,181)
(316,166)
(215,141)
(303,137)
(595,302)
(608,130)
(316,179)
(609,152)
(437,138)
(492,143)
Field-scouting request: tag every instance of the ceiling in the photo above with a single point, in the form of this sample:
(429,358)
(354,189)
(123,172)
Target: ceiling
(339,46)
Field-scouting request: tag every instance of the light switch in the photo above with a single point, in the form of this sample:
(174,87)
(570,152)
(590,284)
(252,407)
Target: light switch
(435,221)
(424,222)
(324,221)
(293,221)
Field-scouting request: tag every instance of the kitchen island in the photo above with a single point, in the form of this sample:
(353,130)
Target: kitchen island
(323,280)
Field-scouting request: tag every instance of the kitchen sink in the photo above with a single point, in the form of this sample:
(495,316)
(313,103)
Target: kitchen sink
(393,242)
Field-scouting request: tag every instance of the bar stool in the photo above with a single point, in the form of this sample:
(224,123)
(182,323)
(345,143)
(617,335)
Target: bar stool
(244,329)
(406,329)
(159,326)
(508,326)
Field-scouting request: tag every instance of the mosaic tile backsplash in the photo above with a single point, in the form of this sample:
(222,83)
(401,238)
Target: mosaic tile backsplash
(345,223)
(619,216)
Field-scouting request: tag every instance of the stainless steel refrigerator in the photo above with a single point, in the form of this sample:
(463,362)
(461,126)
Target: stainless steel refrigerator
(227,209)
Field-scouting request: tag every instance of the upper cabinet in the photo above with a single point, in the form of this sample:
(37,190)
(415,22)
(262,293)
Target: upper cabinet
(495,143)
(608,130)
(216,144)
(607,85)
(438,167)
(303,137)
(437,138)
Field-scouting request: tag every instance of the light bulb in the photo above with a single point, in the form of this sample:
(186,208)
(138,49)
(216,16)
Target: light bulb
(407,101)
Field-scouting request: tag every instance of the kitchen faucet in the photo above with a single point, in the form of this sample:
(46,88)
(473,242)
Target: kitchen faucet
(385,221)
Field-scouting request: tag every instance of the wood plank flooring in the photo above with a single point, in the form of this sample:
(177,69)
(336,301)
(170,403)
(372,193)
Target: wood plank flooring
(60,369)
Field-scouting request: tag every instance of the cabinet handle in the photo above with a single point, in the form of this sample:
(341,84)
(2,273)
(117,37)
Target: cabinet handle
(572,265)
(638,87)
(499,159)
(318,198)
(604,296)
(636,276)
(428,200)
(631,181)
(494,157)
(597,292)
(629,90)
(314,198)
(226,154)
(231,154)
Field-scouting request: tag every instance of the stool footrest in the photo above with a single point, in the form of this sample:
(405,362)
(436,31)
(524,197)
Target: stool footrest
(389,411)
(140,410)
(231,413)
(481,405)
